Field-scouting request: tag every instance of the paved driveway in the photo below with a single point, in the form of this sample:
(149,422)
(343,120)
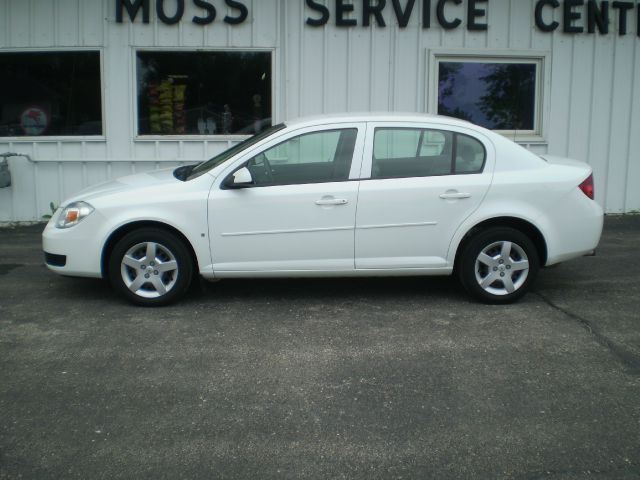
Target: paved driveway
(356,378)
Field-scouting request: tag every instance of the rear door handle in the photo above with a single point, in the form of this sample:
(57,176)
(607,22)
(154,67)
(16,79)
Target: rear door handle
(332,201)
(455,196)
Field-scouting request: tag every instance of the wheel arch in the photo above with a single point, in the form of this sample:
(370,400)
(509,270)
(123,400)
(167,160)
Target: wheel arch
(516,223)
(123,230)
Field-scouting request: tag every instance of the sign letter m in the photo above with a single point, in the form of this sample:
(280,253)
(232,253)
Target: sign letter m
(133,7)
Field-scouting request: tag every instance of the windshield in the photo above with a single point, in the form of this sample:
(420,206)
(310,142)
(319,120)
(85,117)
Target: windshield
(227,154)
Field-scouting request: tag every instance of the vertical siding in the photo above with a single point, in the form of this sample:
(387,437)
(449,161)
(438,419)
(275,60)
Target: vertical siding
(67,166)
(632,192)
(619,126)
(592,114)
(593,101)
(19,23)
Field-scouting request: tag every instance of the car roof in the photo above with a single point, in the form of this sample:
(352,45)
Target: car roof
(375,117)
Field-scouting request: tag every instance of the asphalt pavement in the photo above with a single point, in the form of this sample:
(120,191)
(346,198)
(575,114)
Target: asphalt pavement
(325,378)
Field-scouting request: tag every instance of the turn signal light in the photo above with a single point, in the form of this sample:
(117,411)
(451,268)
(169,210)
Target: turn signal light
(72,216)
(587,187)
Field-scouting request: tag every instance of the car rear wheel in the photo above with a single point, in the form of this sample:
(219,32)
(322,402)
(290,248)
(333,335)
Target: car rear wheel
(498,265)
(151,267)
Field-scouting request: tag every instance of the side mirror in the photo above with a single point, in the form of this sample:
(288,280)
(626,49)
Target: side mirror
(240,179)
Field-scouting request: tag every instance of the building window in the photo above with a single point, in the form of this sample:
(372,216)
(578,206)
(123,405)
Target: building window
(406,152)
(498,94)
(203,93)
(50,94)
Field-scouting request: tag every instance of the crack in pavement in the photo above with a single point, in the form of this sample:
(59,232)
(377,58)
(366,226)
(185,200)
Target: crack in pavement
(629,359)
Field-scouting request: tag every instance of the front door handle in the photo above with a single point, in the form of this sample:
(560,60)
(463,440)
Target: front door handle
(331,201)
(454,195)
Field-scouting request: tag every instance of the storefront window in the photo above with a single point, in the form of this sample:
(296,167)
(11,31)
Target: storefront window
(203,93)
(495,95)
(50,94)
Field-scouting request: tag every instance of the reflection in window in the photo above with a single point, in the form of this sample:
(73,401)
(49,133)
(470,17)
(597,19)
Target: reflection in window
(407,152)
(469,155)
(203,93)
(310,148)
(316,157)
(396,143)
(50,93)
(406,142)
(498,96)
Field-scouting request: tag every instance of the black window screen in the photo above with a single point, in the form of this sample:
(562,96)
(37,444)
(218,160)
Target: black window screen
(50,93)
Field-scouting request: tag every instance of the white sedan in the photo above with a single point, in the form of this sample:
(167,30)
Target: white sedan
(358,195)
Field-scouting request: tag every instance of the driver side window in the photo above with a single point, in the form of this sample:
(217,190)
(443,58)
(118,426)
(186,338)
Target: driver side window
(315,157)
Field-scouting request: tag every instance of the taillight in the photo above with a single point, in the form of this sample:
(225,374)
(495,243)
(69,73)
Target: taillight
(587,187)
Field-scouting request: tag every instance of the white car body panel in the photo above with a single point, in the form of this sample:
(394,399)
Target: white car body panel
(547,197)
(396,226)
(404,222)
(282,228)
(146,197)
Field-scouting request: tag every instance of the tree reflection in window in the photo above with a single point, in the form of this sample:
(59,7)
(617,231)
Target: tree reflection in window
(498,96)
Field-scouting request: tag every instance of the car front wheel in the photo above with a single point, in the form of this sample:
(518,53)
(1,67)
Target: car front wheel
(498,265)
(151,267)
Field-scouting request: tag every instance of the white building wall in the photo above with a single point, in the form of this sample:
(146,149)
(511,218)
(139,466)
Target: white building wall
(591,98)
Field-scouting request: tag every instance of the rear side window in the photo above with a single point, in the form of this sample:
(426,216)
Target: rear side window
(406,152)
(469,155)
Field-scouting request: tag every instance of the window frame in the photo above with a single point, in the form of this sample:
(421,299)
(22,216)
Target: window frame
(61,138)
(138,137)
(454,147)
(541,59)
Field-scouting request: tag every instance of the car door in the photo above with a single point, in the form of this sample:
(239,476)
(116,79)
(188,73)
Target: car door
(299,214)
(423,181)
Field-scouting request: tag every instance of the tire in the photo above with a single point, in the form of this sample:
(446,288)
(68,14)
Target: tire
(151,267)
(498,265)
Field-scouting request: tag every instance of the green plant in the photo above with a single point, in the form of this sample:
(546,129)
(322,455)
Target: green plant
(53,209)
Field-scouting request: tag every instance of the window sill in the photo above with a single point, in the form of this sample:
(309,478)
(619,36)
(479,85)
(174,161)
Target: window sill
(53,138)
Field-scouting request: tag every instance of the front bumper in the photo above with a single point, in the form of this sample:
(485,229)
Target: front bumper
(74,251)
(53,260)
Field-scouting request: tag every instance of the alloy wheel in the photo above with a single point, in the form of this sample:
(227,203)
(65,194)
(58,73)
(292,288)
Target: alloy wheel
(149,269)
(501,268)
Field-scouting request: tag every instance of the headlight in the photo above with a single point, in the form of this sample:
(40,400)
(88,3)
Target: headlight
(74,214)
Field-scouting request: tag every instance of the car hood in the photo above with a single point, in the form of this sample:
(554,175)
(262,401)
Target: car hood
(128,183)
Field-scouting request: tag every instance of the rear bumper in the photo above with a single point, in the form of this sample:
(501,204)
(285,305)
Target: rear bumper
(576,228)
